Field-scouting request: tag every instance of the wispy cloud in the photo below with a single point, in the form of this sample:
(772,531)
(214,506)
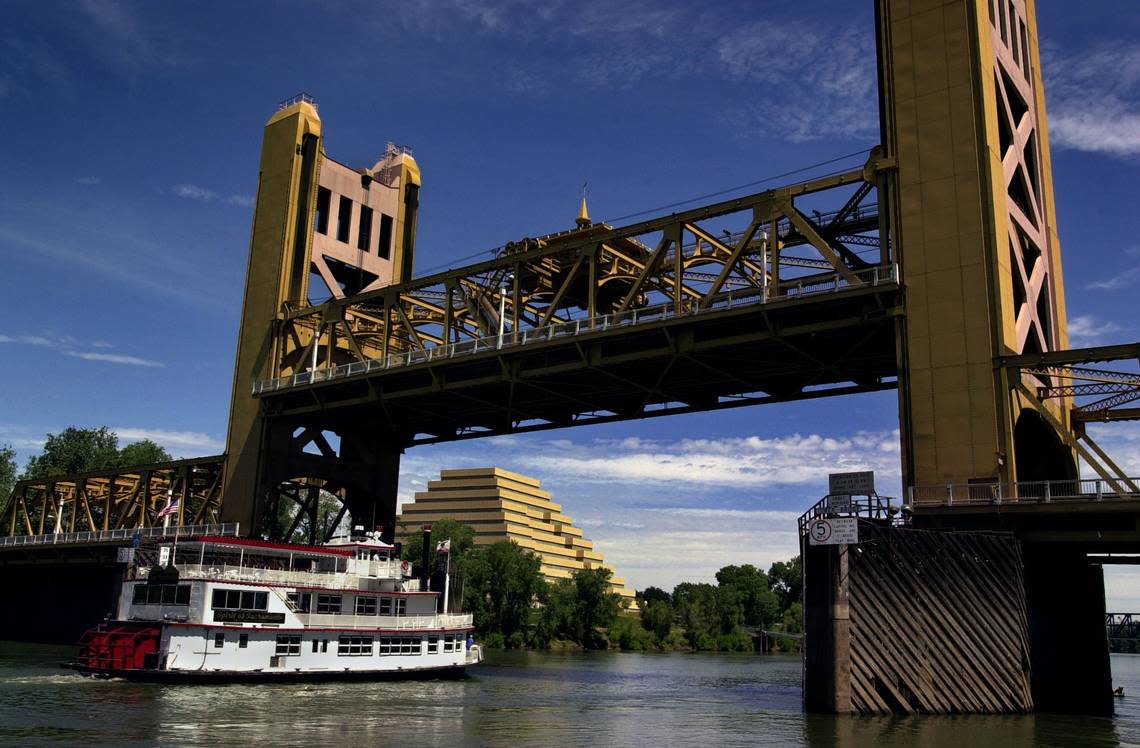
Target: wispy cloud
(180,443)
(1120,280)
(88,181)
(817,76)
(1093,95)
(203,195)
(69,346)
(1087,330)
(669,510)
(113,358)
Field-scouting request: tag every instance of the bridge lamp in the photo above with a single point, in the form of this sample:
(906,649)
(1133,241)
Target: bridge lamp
(507,281)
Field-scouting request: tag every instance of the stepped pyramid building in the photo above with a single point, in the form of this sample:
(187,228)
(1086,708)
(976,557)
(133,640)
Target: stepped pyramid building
(501,505)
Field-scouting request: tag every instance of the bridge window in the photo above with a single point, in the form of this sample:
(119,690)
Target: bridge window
(364,238)
(324,197)
(328,603)
(288,644)
(162,594)
(365,606)
(1024,50)
(1001,19)
(354,646)
(240,600)
(343,220)
(385,248)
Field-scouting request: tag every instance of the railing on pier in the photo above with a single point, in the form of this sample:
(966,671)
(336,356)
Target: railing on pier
(864,507)
(1025,492)
(122,535)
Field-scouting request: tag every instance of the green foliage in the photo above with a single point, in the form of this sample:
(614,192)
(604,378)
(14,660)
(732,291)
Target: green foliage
(746,590)
(7,472)
(462,539)
(143,452)
(657,616)
(627,635)
(653,594)
(787,580)
(578,607)
(503,581)
(75,450)
(793,621)
(328,508)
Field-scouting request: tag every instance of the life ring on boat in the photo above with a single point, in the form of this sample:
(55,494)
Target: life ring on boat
(405,567)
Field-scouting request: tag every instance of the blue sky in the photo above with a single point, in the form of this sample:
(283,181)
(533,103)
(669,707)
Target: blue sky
(133,131)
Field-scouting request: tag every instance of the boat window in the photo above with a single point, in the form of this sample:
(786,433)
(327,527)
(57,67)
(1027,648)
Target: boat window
(288,644)
(354,646)
(224,599)
(433,644)
(161,594)
(219,640)
(385,606)
(328,603)
(365,606)
(400,645)
(243,641)
(401,606)
(449,643)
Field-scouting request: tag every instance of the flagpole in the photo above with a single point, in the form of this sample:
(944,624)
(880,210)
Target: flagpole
(446,580)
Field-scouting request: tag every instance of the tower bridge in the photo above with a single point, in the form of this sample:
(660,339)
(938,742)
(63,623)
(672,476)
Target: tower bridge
(934,268)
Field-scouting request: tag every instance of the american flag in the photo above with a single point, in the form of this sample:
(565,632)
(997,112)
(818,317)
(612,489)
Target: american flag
(170,510)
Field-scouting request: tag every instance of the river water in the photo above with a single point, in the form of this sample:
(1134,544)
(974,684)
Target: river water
(515,699)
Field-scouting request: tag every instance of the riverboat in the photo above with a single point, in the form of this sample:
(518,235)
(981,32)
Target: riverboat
(232,609)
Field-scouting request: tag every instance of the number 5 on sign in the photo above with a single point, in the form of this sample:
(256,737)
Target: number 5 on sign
(834,531)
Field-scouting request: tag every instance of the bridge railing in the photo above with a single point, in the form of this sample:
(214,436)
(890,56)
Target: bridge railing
(121,535)
(815,286)
(1024,492)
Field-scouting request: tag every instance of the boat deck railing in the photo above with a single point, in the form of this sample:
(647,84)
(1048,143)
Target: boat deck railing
(378,570)
(331,620)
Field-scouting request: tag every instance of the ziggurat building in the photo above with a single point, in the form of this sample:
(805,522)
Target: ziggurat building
(501,505)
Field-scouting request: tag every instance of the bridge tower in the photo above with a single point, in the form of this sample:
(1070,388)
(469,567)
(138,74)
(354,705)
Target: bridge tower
(321,230)
(963,115)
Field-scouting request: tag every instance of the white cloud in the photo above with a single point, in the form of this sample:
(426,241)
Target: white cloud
(1087,330)
(67,345)
(1120,280)
(663,511)
(203,195)
(178,442)
(113,358)
(194,192)
(1092,98)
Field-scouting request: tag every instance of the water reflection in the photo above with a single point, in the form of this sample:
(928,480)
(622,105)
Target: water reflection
(517,699)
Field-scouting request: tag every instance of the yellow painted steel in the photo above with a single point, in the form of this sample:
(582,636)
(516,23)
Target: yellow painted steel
(943,65)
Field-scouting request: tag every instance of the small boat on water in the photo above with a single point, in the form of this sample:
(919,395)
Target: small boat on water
(232,609)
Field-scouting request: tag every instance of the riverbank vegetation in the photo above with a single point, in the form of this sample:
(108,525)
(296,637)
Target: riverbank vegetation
(515,606)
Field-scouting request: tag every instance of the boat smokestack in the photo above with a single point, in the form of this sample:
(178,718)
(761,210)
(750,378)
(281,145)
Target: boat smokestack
(424,571)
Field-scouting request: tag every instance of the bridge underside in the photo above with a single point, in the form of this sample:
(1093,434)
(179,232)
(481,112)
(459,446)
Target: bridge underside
(783,350)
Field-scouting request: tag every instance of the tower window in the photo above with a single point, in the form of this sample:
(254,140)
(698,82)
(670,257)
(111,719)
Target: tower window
(385,249)
(323,199)
(343,220)
(365,234)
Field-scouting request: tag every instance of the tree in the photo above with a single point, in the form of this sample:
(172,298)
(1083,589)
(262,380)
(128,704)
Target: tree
(657,616)
(7,472)
(750,591)
(75,450)
(653,594)
(787,579)
(143,452)
(503,582)
(596,606)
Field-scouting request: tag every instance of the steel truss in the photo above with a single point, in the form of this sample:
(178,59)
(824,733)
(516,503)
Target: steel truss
(129,497)
(765,242)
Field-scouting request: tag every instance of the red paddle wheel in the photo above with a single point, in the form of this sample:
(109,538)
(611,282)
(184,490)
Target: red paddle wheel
(108,648)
